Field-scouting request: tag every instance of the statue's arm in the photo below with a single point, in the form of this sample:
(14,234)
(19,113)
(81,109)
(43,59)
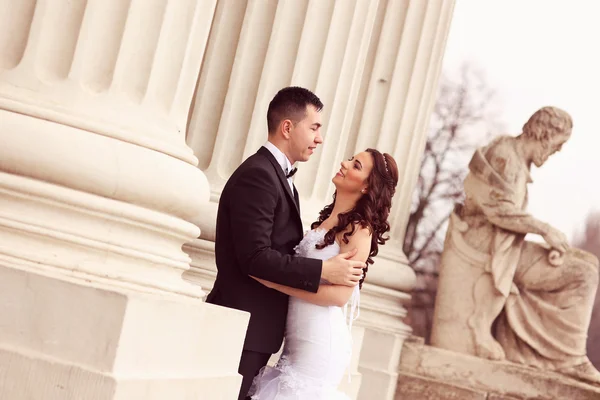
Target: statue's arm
(502,212)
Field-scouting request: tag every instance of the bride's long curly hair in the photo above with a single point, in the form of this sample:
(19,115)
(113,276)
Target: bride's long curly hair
(371,211)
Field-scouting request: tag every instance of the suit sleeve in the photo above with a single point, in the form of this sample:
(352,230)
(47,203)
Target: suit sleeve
(252,204)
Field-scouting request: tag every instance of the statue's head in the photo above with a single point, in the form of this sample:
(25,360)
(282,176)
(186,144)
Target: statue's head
(547,129)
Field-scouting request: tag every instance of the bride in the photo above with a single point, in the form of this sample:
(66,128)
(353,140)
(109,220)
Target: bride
(317,346)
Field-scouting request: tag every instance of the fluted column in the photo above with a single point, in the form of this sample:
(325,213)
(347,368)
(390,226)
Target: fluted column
(100,106)
(399,100)
(97,191)
(395,115)
(375,65)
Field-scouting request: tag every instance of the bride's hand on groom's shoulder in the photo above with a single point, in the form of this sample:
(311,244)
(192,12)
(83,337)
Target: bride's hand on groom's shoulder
(341,270)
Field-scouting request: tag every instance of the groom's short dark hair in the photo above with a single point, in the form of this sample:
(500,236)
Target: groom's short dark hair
(290,103)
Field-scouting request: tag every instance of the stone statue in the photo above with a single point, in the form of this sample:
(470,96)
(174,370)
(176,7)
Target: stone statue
(499,296)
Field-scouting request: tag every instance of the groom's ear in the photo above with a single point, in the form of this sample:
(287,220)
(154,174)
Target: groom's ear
(286,128)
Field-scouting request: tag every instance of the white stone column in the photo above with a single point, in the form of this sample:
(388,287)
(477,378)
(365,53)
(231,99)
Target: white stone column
(97,188)
(397,106)
(375,65)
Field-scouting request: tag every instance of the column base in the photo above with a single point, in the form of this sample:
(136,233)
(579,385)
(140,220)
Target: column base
(74,235)
(203,268)
(69,341)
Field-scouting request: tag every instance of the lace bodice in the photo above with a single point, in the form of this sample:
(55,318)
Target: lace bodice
(306,247)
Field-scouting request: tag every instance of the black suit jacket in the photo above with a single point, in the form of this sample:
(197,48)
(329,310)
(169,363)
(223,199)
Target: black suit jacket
(258,226)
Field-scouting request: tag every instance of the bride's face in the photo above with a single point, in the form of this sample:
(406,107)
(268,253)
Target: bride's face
(354,174)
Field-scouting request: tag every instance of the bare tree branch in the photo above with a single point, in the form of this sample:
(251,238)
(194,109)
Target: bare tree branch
(432,234)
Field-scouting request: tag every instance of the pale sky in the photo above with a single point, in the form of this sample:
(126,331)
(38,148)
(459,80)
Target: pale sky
(536,53)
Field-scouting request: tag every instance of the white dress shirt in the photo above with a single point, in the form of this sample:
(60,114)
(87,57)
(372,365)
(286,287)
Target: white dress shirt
(282,159)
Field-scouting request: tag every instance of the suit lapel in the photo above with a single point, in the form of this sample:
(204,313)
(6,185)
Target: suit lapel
(297,199)
(283,180)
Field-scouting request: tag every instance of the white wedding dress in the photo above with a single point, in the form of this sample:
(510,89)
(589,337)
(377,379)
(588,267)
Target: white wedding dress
(318,343)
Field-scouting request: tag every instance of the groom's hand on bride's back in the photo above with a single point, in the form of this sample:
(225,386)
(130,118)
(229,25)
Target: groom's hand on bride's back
(340,270)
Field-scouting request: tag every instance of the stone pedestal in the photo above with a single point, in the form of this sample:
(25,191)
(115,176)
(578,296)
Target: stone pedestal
(97,191)
(430,373)
(62,340)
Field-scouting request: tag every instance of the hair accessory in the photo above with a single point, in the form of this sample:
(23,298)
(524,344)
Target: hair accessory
(386,166)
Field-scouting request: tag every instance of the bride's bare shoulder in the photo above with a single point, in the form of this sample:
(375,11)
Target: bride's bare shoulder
(358,234)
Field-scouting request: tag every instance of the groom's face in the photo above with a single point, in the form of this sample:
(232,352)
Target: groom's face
(305,135)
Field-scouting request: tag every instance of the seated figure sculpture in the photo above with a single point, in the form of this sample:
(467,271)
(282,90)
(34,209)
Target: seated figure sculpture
(500,296)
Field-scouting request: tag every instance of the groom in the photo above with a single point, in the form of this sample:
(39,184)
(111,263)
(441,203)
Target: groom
(258,226)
